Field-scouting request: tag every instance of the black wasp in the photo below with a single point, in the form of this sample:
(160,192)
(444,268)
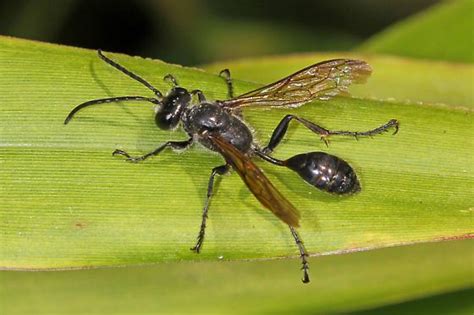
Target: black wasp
(218,126)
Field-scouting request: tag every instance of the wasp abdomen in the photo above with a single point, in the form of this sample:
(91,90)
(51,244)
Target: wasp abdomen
(324,171)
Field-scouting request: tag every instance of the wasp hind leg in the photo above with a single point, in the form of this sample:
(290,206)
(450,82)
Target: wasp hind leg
(219,170)
(282,128)
(303,254)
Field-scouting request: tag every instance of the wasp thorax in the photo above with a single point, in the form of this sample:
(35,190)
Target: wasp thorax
(324,171)
(169,113)
(212,118)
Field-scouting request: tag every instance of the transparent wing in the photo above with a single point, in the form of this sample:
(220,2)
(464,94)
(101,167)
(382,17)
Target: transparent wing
(319,81)
(257,182)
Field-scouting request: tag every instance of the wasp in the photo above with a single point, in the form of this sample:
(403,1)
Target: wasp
(219,126)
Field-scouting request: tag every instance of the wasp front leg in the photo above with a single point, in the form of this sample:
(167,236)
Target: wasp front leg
(177,145)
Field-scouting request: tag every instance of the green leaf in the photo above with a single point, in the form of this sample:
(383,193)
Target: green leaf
(443,32)
(341,283)
(404,80)
(66,202)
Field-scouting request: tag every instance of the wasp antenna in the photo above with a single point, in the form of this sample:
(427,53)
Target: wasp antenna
(129,73)
(109,100)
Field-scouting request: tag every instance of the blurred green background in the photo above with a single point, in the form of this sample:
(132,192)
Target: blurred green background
(192,32)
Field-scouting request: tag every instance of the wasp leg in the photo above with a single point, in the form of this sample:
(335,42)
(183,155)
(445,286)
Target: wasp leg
(228,80)
(282,128)
(199,94)
(177,145)
(219,170)
(172,79)
(303,254)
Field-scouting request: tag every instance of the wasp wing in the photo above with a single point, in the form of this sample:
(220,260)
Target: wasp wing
(257,182)
(319,81)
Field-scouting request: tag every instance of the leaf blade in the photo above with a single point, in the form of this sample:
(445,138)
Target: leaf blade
(67,203)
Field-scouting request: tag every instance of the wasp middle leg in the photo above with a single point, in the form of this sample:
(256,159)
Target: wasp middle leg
(219,170)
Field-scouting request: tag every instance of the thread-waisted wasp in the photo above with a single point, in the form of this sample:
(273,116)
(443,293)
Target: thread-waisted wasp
(219,126)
